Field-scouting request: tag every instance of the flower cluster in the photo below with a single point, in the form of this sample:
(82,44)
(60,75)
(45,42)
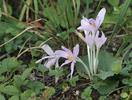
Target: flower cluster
(54,57)
(93,40)
(94,43)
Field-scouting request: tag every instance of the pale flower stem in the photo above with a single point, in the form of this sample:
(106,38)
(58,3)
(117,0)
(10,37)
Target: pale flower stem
(94,60)
(85,66)
(96,64)
(89,57)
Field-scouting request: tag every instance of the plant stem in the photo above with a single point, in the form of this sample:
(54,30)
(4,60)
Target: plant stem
(85,66)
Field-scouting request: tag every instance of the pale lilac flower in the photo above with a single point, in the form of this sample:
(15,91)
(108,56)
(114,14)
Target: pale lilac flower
(89,39)
(52,58)
(70,56)
(99,41)
(91,24)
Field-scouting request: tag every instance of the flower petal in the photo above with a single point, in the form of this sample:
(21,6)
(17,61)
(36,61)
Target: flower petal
(50,62)
(90,39)
(61,53)
(47,49)
(67,50)
(76,51)
(72,68)
(99,41)
(85,25)
(44,58)
(57,63)
(66,62)
(100,17)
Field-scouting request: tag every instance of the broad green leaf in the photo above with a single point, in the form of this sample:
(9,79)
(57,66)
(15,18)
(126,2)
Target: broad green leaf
(105,87)
(104,75)
(108,65)
(15,97)
(26,73)
(2,97)
(10,90)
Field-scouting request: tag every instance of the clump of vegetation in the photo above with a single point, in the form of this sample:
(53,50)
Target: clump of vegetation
(37,61)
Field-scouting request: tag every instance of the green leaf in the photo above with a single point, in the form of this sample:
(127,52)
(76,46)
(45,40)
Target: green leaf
(10,90)
(107,67)
(105,75)
(2,97)
(26,73)
(48,93)
(26,95)
(73,80)
(105,86)
(57,72)
(15,97)
(113,2)
(86,94)
(35,86)
(124,95)
(9,64)
(127,81)
(18,81)
(42,68)
(35,53)
(117,66)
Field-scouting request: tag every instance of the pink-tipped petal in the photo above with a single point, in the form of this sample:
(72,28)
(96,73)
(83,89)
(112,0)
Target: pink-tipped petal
(66,62)
(76,51)
(47,49)
(72,68)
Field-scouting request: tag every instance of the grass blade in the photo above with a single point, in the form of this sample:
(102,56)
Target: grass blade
(120,17)
(87,8)
(36,8)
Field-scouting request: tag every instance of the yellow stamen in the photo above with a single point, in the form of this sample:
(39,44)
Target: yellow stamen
(70,58)
(93,24)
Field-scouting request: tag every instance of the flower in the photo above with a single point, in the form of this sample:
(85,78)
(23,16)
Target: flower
(89,39)
(70,56)
(99,41)
(91,24)
(52,58)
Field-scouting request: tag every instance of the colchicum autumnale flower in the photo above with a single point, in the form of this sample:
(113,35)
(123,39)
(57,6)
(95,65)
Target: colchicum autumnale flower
(91,24)
(52,57)
(69,55)
(94,42)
